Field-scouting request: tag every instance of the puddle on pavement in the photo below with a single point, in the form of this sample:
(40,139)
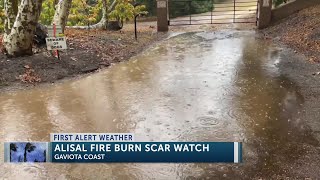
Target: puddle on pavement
(206,86)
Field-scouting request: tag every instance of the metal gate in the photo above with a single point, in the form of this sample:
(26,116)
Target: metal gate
(195,12)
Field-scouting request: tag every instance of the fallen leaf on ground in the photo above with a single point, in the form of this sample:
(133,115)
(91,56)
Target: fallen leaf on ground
(29,76)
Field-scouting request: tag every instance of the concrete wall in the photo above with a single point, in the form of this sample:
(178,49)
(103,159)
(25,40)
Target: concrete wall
(290,8)
(264,13)
(162,15)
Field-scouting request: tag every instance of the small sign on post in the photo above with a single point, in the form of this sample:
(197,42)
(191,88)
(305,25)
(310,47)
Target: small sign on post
(56,40)
(56,43)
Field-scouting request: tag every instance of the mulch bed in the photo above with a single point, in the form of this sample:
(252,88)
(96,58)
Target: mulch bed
(88,51)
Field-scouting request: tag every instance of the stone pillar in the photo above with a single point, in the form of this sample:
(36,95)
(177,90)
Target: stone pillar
(264,13)
(162,15)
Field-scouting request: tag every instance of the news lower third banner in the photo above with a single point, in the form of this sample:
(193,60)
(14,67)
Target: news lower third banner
(120,148)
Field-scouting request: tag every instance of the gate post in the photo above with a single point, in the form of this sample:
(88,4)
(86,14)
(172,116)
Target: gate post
(264,13)
(162,15)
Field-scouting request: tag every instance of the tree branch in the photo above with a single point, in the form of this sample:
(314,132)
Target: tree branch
(112,6)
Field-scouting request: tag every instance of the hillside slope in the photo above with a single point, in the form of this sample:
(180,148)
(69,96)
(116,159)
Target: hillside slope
(300,31)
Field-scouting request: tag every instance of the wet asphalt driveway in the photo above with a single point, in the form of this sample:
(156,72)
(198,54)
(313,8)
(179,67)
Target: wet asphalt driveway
(201,86)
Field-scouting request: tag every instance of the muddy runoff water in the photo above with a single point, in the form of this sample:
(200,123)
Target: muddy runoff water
(203,86)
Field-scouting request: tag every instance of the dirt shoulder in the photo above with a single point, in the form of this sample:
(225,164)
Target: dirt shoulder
(300,34)
(300,31)
(88,51)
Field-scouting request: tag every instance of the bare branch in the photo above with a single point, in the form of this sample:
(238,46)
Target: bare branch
(114,3)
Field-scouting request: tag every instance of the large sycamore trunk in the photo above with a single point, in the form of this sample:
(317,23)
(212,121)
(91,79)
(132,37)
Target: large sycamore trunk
(62,13)
(19,31)
(11,11)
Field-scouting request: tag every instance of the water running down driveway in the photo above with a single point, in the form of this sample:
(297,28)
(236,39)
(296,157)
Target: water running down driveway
(204,86)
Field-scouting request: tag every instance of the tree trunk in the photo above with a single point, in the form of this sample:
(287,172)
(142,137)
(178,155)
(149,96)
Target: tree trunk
(62,12)
(40,34)
(103,23)
(17,40)
(11,11)
(104,18)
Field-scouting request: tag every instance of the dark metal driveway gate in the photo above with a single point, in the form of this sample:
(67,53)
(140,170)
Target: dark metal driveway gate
(195,12)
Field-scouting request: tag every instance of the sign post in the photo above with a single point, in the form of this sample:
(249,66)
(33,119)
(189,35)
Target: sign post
(54,35)
(56,40)
(56,43)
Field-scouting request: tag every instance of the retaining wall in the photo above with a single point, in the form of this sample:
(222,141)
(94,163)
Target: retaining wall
(290,8)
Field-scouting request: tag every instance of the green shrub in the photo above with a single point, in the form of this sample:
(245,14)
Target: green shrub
(47,12)
(277,3)
(181,8)
(151,6)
